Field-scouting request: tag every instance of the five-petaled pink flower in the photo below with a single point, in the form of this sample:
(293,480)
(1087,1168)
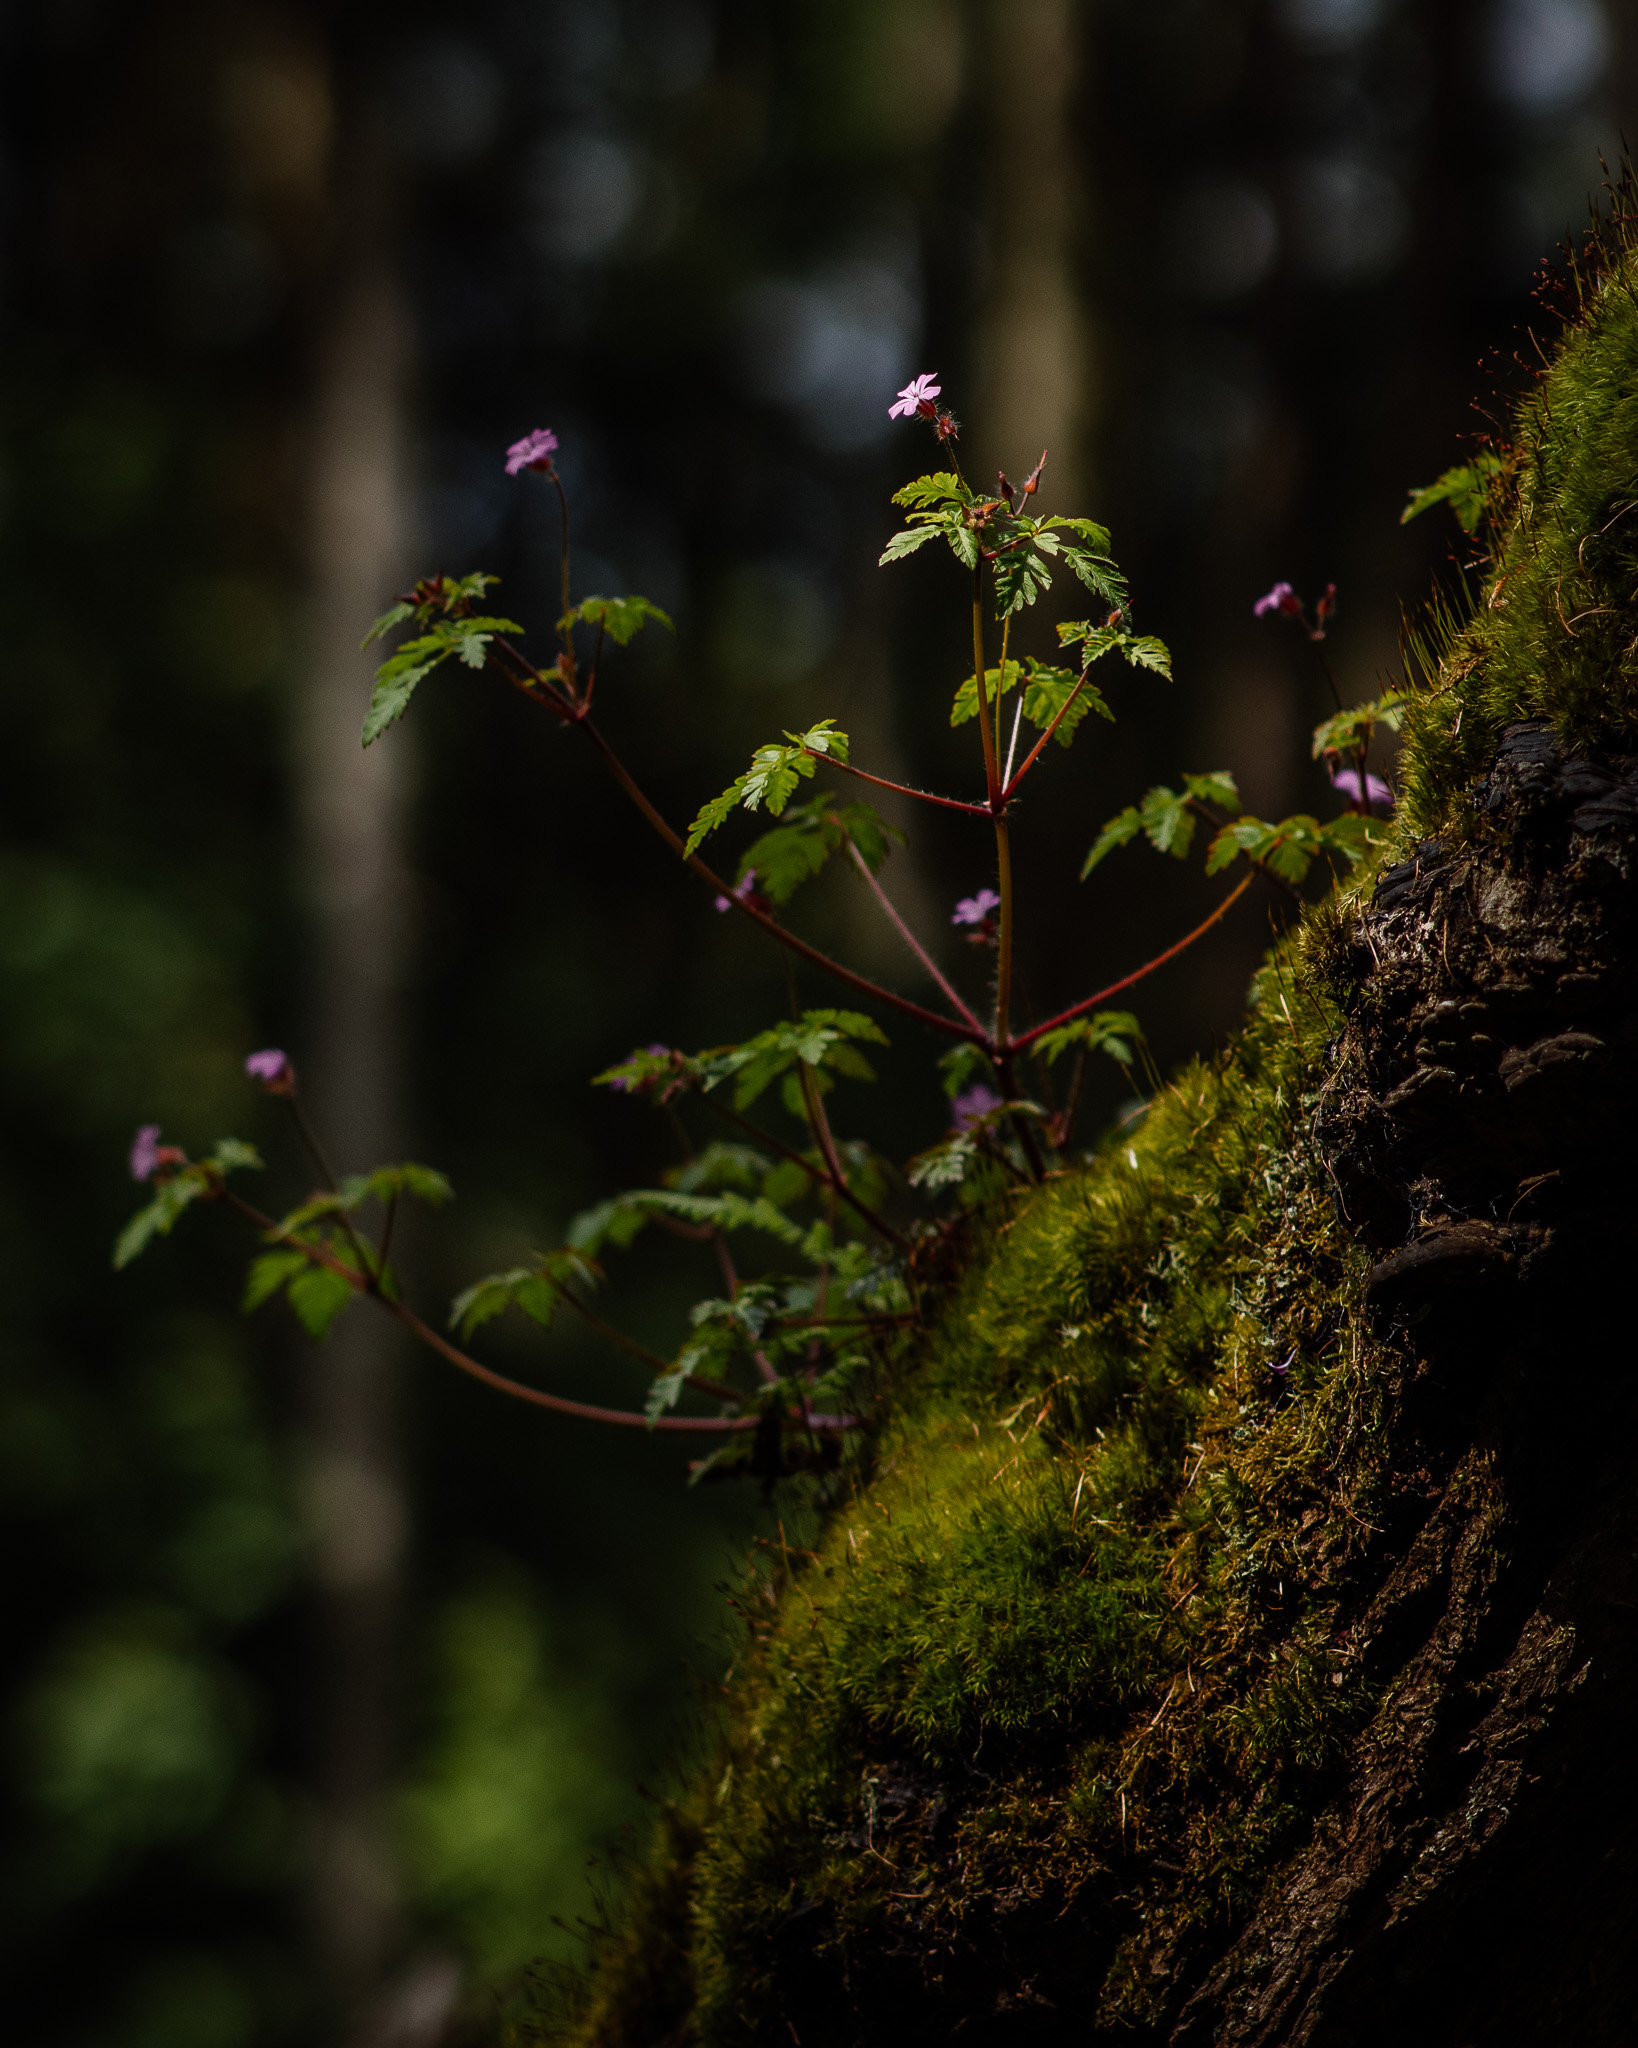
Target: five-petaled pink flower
(145,1151)
(273,1069)
(916,397)
(1282,598)
(975,909)
(968,1107)
(534,451)
(1345,782)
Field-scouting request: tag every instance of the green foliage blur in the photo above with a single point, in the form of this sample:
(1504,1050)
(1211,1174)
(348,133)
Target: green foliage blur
(705,240)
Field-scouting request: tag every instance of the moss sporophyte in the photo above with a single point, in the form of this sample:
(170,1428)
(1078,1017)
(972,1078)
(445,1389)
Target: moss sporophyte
(1092,1443)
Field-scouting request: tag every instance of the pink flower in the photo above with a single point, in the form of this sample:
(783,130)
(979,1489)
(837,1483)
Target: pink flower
(273,1069)
(976,909)
(977,1101)
(534,451)
(145,1151)
(744,891)
(1282,598)
(917,397)
(1346,783)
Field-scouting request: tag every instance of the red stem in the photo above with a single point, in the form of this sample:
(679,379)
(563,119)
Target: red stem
(1028,1038)
(924,796)
(1030,758)
(908,935)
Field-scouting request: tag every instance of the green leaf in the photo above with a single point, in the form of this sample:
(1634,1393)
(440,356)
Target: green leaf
(771,778)
(620,617)
(942,487)
(618,1221)
(720,1165)
(398,677)
(1168,823)
(1095,640)
(1115,1032)
(420,1183)
(1218,788)
(395,615)
(819,1039)
(1144,651)
(1353,727)
(664,1392)
(796,850)
(318,1296)
(536,1289)
(158,1219)
(959,1065)
(997,682)
(944,1165)
(268,1273)
(1050,689)
(1287,849)
(905,542)
(1121,830)
(1020,567)
(1352,836)
(1465,488)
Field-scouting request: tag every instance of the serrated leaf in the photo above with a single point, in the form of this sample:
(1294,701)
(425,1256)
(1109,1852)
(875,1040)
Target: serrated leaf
(664,1392)
(1144,651)
(1287,848)
(958,1066)
(997,682)
(159,1217)
(620,617)
(395,615)
(1115,1032)
(1345,730)
(721,1165)
(268,1273)
(1465,488)
(771,778)
(1121,830)
(945,1165)
(796,850)
(905,542)
(941,487)
(1168,823)
(1216,787)
(390,699)
(421,1183)
(318,1296)
(1048,690)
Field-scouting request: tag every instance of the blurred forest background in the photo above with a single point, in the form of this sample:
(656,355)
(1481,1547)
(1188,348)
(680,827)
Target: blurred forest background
(326,1670)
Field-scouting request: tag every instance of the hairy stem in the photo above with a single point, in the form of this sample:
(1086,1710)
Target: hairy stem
(1003,951)
(924,796)
(909,936)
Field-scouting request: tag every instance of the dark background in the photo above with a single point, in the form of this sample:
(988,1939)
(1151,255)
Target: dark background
(326,1670)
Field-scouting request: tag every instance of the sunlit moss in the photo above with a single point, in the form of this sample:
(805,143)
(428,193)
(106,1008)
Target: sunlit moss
(1081,1617)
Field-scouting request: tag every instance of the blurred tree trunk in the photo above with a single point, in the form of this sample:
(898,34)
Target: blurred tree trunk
(350,808)
(1032,340)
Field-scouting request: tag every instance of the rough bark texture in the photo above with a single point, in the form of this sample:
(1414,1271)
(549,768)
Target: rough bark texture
(1234,1641)
(1479,1881)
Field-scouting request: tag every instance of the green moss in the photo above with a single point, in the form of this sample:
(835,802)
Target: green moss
(1083,1617)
